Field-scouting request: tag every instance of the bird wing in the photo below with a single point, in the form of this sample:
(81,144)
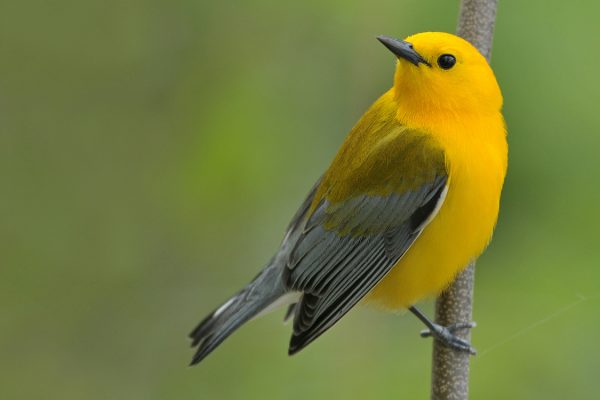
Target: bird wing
(358,221)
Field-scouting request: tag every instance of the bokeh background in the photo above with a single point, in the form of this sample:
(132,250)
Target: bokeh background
(151,153)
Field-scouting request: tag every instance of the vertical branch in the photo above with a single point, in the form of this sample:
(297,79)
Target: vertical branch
(476,24)
(450,368)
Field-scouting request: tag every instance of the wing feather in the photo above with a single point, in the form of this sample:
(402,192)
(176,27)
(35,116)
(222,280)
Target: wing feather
(359,219)
(353,247)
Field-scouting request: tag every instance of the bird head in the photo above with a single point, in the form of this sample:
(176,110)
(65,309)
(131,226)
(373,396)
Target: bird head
(437,70)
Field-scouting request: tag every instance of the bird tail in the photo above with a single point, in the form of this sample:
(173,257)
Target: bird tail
(257,298)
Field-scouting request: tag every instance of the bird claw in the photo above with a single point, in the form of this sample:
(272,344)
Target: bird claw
(452,328)
(445,334)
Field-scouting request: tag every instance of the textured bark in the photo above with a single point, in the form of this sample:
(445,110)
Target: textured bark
(450,368)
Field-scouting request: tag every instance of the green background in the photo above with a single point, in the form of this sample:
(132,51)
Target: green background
(152,152)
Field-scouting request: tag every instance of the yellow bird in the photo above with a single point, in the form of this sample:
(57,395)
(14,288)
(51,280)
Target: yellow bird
(410,198)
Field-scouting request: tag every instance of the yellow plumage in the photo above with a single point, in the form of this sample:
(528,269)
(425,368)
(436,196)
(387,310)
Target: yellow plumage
(463,116)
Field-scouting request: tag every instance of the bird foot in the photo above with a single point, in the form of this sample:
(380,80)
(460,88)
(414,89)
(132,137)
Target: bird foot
(446,335)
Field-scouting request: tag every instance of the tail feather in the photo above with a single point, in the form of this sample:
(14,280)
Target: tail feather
(291,311)
(218,326)
(203,329)
(264,290)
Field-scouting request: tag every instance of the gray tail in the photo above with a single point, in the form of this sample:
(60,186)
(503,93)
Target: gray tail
(247,303)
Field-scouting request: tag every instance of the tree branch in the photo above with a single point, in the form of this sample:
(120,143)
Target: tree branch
(450,368)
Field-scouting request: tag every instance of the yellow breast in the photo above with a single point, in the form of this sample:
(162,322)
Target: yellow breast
(476,159)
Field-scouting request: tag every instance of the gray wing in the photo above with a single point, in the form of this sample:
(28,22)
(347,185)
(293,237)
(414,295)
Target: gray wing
(341,251)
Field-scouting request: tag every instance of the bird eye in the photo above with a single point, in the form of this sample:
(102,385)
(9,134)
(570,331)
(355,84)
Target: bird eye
(446,61)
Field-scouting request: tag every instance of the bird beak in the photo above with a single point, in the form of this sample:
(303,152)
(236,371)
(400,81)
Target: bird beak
(403,49)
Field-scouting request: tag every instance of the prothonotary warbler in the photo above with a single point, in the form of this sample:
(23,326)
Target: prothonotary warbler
(410,198)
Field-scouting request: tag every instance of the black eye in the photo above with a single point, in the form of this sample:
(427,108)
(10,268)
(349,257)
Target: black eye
(446,61)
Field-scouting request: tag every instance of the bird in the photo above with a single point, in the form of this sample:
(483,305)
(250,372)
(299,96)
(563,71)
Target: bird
(411,197)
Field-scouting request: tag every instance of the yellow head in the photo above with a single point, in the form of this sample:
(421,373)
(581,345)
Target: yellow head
(439,71)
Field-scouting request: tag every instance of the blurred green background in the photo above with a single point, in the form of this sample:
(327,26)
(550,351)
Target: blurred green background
(152,152)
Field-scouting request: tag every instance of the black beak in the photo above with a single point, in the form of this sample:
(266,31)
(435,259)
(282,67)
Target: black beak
(403,49)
